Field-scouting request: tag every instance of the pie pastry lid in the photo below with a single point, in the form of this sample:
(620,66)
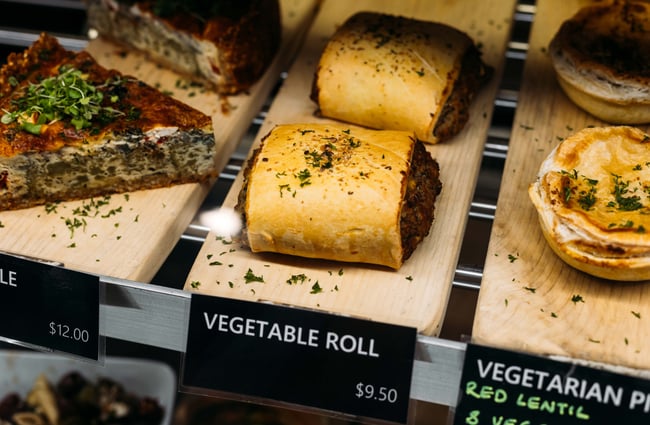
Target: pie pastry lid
(601,57)
(592,195)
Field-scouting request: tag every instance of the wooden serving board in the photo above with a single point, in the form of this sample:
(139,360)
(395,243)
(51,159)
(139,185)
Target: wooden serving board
(417,294)
(130,236)
(529,299)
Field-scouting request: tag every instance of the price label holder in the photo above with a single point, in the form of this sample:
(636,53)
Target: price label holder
(302,357)
(500,387)
(49,308)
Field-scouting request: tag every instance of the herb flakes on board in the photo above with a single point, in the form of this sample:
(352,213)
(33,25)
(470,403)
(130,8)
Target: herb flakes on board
(575,299)
(251,277)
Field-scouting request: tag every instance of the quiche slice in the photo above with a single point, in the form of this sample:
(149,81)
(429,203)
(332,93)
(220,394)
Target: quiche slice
(71,129)
(228,45)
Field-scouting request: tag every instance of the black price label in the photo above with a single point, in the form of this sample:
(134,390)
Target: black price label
(312,359)
(49,307)
(501,387)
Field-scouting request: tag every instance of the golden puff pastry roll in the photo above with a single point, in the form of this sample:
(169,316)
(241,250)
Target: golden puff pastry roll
(395,73)
(592,195)
(336,192)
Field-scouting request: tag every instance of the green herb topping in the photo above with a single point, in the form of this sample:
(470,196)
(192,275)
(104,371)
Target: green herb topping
(623,202)
(304,177)
(584,188)
(250,277)
(577,299)
(66,96)
(624,195)
(296,279)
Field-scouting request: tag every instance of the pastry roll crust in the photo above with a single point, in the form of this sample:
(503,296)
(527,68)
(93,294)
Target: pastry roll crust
(389,72)
(591,194)
(339,193)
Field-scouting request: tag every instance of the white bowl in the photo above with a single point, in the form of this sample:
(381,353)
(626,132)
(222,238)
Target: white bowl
(19,370)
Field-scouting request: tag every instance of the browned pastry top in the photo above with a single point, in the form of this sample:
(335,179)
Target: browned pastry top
(612,37)
(141,107)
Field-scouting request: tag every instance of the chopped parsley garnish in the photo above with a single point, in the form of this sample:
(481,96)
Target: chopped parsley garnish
(586,197)
(296,279)
(251,277)
(50,207)
(623,202)
(321,159)
(316,288)
(577,299)
(304,176)
(224,241)
(354,143)
(284,188)
(74,223)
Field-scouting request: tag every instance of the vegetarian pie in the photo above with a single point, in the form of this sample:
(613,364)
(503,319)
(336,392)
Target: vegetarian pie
(601,56)
(592,194)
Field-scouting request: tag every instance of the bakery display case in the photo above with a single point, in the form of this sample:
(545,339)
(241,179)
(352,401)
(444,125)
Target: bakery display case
(483,277)
(561,332)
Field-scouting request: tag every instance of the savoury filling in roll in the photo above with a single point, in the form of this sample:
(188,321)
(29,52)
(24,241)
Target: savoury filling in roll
(334,192)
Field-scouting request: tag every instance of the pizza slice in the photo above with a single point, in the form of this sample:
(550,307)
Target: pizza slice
(72,129)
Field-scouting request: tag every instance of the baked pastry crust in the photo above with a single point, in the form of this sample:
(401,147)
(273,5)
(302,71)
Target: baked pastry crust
(601,56)
(151,141)
(335,192)
(592,195)
(228,47)
(391,72)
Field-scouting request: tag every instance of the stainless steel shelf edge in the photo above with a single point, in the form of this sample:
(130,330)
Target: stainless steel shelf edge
(437,370)
(159,317)
(145,314)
